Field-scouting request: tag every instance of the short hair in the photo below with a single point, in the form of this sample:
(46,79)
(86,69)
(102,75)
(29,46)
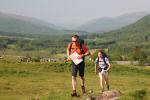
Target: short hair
(75,36)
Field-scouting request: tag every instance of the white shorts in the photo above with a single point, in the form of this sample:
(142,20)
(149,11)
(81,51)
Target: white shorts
(104,72)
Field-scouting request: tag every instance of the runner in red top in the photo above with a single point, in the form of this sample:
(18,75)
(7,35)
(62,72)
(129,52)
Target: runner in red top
(81,48)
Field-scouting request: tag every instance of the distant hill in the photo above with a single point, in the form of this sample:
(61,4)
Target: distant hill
(107,23)
(138,32)
(26,25)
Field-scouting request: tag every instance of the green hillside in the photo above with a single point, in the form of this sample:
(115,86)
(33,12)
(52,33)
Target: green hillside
(107,24)
(122,44)
(130,42)
(26,25)
(137,32)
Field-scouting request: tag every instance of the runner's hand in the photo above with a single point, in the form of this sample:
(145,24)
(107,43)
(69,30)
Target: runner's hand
(68,59)
(80,57)
(107,70)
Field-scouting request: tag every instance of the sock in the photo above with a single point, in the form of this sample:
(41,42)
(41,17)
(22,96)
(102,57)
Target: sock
(83,88)
(108,87)
(74,91)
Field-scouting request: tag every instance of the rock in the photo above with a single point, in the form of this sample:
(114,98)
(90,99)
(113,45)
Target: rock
(91,98)
(109,95)
(90,91)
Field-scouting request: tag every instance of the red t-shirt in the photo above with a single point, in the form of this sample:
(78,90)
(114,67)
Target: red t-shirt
(76,47)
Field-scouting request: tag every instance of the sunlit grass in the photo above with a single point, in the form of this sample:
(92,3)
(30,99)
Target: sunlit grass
(52,81)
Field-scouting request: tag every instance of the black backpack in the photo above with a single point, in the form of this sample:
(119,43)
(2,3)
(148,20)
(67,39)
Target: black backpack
(104,62)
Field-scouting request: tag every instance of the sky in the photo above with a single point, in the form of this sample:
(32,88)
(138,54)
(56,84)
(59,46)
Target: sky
(73,11)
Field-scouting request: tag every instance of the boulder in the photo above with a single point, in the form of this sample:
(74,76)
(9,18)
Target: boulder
(107,95)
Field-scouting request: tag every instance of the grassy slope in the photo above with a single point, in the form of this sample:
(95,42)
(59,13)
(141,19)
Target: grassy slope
(21,24)
(21,81)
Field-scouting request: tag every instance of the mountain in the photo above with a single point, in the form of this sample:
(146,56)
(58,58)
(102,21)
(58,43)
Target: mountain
(107,23)
(137,33)
(67,25)
(21,24)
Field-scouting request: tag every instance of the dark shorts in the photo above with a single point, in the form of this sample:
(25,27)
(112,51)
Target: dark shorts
(100,69)
(79,67)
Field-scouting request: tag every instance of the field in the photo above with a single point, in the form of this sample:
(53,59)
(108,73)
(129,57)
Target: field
(52,81)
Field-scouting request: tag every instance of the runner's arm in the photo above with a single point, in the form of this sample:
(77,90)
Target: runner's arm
(96,65)
(86,50)
(109,66)
(68,52)
(95,68)
(108,62)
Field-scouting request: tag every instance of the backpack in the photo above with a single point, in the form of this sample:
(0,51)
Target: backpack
(99,68)
(81,41)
